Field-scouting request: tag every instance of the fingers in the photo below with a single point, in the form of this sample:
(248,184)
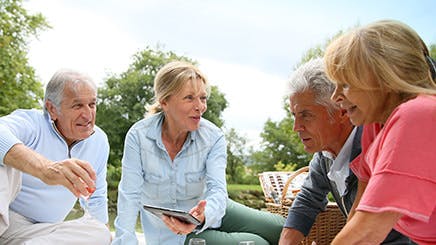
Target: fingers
(198,211)
(76,175)
(177,226)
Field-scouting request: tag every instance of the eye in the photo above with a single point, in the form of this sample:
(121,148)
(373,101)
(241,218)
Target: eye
(189,97)
(345,86)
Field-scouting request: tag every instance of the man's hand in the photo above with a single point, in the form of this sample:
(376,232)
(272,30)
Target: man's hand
(74,174)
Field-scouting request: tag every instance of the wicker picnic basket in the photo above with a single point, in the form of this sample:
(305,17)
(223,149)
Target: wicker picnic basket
(327,224)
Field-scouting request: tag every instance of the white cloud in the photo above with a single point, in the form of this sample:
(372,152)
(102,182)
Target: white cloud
(80,40)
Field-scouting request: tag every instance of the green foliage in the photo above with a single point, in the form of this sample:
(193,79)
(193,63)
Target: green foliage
(19,87)
(122,99)
(281,147)
(235,157)
(432,49)
(280,144)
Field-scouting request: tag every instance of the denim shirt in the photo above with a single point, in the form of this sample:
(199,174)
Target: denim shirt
(149,176)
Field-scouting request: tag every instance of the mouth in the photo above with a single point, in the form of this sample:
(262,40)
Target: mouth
(351,110)
(84,125)
(196,118)
(304,140)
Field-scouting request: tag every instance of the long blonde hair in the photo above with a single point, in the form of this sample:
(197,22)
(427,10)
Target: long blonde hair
(170,79)
(386,55)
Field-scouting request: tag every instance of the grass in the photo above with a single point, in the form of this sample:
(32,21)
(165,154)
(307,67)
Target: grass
(237,187)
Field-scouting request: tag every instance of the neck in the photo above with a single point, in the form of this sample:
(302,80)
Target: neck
(173,136)
(342,138)
(392,101)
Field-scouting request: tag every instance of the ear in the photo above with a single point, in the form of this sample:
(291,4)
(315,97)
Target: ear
(163,104)
(51,109)
(344,116)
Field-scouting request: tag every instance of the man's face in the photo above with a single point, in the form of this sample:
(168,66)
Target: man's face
(76,118)
(317,130)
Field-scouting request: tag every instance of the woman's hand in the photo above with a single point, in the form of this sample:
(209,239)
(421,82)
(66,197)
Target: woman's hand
(181,228)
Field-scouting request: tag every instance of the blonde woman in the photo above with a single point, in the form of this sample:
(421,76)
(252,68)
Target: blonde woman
(383,74)
(176,159)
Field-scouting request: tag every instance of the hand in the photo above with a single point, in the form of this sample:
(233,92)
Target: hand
(181,228)
(76,175)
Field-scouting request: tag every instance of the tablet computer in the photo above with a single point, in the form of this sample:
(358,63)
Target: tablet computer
(179,214)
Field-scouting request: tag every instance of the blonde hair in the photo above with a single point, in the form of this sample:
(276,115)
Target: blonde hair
(170,80)
(386,55)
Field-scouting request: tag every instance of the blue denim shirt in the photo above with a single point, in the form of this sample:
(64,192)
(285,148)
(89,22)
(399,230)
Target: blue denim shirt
(149,176)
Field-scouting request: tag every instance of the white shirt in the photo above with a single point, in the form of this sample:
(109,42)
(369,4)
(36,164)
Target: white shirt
(340,170)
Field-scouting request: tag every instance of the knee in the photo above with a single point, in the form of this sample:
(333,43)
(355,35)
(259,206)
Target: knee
(101,234)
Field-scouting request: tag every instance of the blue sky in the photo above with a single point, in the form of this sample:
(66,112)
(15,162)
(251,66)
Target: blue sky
(247,48)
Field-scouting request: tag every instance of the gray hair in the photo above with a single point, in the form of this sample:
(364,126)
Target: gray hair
(54,91)
(311,76)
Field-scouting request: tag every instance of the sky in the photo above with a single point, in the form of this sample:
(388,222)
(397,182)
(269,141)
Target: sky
(246,48)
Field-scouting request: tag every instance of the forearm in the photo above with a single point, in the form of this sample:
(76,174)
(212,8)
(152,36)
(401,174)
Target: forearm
(290,236)
(367,228)
(360,189)
(26,160)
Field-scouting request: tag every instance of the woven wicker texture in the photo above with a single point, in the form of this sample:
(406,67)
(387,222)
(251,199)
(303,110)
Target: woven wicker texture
(328,223)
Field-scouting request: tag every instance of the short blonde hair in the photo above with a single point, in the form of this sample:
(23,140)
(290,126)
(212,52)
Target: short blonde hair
(385,55)
(170,80)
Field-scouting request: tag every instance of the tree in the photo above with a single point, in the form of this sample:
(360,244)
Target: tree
(280,144)
(19,87)
(281,147)
(432,50)
(122,99)
(235,157)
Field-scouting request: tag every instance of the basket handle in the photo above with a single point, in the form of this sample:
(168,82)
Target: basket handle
(288,182)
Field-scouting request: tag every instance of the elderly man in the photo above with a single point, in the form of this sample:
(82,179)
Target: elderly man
(325,130)
(47,147)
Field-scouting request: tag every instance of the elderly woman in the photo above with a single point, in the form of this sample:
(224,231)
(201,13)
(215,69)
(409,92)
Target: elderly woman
(383,74)
(176,159)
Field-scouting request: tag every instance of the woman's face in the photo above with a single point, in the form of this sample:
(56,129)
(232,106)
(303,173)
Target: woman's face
(184,109)
(362,106)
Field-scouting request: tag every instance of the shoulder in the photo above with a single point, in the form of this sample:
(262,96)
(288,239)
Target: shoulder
(31,114)
(422,106)
(145,124)
(207,128)
(100,134)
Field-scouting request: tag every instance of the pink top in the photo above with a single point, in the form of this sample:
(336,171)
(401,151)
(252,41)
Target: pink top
(400,167)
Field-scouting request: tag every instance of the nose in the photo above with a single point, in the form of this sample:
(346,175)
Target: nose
(199,105)
(297,125)
(87,112)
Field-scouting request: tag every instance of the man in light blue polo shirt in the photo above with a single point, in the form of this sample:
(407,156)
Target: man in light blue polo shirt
(58,146)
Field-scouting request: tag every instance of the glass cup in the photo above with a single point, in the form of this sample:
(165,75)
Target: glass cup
(246,243)
(197,241)
(86,213)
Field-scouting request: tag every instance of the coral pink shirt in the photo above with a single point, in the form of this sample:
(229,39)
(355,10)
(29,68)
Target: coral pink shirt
(400,167)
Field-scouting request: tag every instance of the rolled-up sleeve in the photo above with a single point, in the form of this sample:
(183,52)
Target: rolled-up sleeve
(216,194)
(129,191)
(98,202)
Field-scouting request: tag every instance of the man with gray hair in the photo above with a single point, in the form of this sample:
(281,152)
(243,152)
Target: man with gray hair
(326,131)
(55,148)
